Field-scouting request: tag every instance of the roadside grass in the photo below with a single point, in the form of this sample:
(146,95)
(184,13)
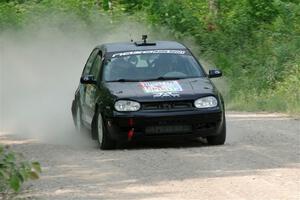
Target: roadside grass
(269,103)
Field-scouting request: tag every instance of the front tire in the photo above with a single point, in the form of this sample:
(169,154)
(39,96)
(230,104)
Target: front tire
(103,138)
(220,138)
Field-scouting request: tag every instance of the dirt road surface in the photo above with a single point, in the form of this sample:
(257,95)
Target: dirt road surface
(261,160)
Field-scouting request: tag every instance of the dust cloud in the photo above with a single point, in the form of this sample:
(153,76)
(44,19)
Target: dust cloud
(40,67)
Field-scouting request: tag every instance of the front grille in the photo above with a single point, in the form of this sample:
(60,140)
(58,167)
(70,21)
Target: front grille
(175,105)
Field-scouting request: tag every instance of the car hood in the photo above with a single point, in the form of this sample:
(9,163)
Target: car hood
(170,90)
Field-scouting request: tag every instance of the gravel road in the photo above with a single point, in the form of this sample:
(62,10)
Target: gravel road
(260,160)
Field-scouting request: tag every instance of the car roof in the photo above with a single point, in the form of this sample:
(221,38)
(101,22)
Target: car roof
(131,46)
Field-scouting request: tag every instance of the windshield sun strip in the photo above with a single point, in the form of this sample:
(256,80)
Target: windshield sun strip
(142,52)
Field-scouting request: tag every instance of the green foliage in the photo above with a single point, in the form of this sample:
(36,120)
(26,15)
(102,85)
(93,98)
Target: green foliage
(77,15)
(14,170)
(262,10)
(255,42)
(105,4)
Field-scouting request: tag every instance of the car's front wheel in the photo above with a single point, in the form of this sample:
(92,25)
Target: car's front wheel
(104,140)
(220,138)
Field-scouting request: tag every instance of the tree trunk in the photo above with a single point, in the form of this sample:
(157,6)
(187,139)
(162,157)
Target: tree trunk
(213,6)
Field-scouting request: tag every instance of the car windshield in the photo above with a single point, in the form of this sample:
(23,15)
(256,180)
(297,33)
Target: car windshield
(151,67)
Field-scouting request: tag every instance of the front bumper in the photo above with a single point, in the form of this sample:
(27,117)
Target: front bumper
(196,123)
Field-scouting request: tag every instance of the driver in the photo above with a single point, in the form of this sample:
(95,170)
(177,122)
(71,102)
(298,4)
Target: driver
(169,65)
(164,64)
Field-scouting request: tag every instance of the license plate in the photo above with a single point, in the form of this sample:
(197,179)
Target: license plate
(168,129)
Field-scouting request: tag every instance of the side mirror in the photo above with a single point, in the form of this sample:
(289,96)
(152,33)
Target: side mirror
(214,73)
(88,79)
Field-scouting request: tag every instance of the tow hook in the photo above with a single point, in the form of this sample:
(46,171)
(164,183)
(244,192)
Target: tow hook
(130,134)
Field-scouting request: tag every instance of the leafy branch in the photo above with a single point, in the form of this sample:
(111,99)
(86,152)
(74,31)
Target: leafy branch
(15,170)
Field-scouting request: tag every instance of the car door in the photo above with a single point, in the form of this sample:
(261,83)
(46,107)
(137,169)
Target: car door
(83,87)
(91,91)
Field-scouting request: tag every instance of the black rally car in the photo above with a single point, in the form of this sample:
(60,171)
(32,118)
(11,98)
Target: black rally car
(148,90)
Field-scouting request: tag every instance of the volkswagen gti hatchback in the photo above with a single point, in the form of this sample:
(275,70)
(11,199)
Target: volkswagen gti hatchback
(142,90)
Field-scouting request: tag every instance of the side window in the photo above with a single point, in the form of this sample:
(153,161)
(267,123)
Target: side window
(95,70)
(89,63)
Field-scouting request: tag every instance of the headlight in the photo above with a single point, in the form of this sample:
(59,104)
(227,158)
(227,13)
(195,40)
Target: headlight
(127,106)
(206,102)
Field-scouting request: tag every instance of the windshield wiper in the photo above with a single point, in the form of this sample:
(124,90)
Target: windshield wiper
(161,78)
(124,80)
(165,78)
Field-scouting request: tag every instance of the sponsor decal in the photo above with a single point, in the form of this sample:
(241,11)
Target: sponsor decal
(166,94)
(162,88)
(128,53)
